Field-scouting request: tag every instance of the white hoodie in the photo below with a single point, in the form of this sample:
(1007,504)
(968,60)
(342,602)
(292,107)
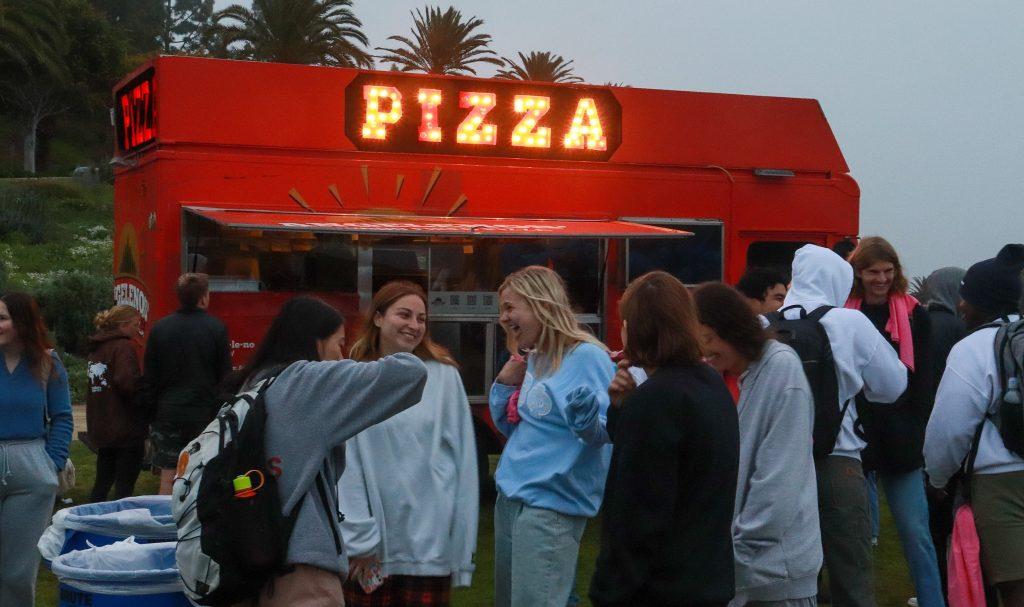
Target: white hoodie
(864,360)
(967,392)
(409,492)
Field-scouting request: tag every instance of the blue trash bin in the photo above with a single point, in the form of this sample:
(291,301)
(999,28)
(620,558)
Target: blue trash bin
(122,574)
(146,518)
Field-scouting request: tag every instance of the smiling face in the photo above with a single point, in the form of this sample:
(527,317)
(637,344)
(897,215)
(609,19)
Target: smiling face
(774,297)
(877,280)
(8,334)
(402,326)
(518,320)
(719,353)
(332,348)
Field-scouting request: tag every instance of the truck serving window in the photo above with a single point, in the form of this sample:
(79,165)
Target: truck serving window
(693,259)
(264,260)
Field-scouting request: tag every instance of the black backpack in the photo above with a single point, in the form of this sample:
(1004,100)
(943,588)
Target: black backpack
(1009,416)
(807,336)
(232,538)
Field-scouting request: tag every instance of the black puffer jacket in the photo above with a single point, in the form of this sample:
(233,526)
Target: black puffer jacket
(895,432)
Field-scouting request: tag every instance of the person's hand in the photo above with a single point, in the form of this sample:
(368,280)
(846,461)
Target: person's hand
(361,566)
(622,384)
(513,373)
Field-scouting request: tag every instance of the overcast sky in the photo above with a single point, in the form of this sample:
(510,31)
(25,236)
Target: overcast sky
(926,98)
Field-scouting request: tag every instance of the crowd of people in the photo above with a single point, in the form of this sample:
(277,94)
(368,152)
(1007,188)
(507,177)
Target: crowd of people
(734,447)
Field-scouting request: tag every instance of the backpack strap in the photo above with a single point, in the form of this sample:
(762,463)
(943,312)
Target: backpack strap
(819,313)
(782,313)
(968,467)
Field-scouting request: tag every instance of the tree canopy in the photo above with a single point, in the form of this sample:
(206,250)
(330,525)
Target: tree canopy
(541,66)
(441,43)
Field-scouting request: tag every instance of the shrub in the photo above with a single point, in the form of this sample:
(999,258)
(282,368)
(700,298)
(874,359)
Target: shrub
(78,376)
(70,300)
(3,275)
(23,211)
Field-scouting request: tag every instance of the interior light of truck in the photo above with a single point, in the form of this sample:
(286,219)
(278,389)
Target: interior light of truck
(586,131)
(472,128)
(429,100)
(527,133)
(377,116)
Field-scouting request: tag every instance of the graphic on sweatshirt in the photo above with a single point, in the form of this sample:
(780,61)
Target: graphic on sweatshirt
(97,377)
(538,401)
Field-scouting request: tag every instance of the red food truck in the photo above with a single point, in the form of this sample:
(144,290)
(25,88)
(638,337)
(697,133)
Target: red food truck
(284,179)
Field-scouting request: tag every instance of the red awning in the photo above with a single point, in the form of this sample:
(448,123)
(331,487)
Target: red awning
(434,226)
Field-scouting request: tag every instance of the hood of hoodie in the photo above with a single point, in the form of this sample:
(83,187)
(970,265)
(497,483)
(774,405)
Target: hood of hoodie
(942,289)
(820,278)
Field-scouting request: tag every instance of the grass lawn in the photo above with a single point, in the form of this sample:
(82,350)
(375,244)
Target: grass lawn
(892,580)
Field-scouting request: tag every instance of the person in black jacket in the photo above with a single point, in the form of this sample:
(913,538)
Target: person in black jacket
(187,357)
(942,299)
(895,433)
(667,523)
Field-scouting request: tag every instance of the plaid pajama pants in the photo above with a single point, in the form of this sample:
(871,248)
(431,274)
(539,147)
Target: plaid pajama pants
(402,591)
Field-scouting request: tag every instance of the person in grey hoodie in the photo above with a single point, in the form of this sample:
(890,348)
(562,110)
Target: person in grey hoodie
(317,402)
(776,537)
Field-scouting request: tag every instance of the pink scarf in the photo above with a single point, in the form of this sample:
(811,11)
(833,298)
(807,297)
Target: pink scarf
(898,327)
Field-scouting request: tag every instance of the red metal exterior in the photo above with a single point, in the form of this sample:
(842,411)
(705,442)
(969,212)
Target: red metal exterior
(262,136)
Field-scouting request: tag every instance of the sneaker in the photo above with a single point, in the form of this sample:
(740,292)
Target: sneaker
(912,601)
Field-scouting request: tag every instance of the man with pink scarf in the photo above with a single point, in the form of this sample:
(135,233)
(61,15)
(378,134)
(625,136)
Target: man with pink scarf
(895,432)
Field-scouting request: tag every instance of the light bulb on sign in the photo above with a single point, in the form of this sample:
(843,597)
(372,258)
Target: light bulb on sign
(472,129)
(527,133)
(586,131)
(429,100)
(376,117)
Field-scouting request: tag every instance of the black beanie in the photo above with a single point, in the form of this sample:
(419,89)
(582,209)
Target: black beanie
(994,285)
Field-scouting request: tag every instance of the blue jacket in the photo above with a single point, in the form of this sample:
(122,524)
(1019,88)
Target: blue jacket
(546,463)
(25,403)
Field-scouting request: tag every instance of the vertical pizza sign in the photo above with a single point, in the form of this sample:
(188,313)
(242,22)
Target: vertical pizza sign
(128,286)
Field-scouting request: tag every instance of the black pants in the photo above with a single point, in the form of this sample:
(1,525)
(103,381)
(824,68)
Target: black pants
(117,467)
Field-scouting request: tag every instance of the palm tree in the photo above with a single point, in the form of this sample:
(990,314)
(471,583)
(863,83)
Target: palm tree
(442,43)
(312,32)
(541,66)
(31,37)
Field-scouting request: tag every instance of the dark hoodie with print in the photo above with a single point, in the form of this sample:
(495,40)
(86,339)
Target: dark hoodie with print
(111,411)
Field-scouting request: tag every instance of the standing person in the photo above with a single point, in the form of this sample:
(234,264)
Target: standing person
(775,531)
(963,422)
(942,290)
(117,428)
(863,361)
(409,491)
(666,529)
(550,477)
(895,432)
(318,402)
(764,289)
(33,387)
(187,356)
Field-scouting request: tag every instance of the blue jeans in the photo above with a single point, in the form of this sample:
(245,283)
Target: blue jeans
(871,479)
(905,493)
(535,553)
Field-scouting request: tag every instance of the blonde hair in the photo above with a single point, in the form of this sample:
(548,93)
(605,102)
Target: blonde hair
(544,292)
(112,318)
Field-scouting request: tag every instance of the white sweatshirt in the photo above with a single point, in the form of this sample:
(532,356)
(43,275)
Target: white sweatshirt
(409,492)
(967,392)
(864,359)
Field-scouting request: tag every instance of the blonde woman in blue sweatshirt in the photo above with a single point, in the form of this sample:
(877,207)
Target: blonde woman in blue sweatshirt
(409,491)
(550,477)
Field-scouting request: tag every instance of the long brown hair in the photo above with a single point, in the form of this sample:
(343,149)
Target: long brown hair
(870,251)
(367,347)
(661,322)
(724,309)
(32,333)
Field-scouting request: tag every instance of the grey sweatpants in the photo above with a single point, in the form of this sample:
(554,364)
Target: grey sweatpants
(845,531)
(28,486)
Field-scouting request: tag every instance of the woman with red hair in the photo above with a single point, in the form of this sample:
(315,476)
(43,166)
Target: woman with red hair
(33,388)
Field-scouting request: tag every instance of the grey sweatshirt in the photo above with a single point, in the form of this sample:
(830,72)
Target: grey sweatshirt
(776,537)
(312,409)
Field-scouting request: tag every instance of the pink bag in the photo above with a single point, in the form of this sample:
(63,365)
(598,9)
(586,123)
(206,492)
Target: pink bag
(966,588)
